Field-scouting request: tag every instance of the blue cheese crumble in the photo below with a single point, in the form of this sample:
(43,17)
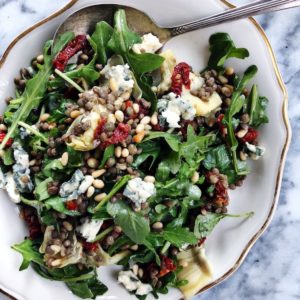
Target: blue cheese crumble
(172,108)
(150,44)
(21,171)
(256,152)
(89,229)
(138,191)
(132,283)
(76,186)
(120,78)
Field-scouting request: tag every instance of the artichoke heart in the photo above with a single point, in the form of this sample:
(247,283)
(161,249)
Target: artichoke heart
(166,70)
(85,141)
(196,270)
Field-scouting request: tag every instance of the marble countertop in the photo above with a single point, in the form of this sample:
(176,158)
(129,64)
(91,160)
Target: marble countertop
(271,270)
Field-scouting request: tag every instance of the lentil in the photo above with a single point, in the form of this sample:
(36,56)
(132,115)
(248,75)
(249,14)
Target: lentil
(68,226)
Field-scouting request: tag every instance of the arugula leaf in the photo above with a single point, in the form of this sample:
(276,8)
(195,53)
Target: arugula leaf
(8,158)
(101,37)
(58,110)
(29,254)
(90,288)
(51,166)
(219,157)
(257,108)
(144,62)
(237,102)
(41,190)
(122,38)
(192,150)
(179,236)
(121,42)
(149,149)
(58,204)
(133,224)
(113,191)
(171,139)
(75,158)
(205,224)
(35,87)
(222,47)
(108,152)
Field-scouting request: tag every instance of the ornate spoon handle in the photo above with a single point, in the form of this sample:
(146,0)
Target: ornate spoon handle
(248,10)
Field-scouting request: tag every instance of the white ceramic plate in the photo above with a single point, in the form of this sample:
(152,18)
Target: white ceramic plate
(232,239)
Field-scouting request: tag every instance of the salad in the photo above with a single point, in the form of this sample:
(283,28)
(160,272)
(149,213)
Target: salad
(115,154)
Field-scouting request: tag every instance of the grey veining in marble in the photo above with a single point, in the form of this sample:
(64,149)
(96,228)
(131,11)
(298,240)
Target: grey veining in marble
(271,271)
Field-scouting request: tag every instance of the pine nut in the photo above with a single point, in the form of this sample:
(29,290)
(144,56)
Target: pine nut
(141,273)
(98,173)
(240,134)
(44,117)
(154,119)
(140,128)
(40,58)
(32,162)
(223,79)
(55,248)
(136,107)
(3,127)
(135,269)
(90,192)
(56,262)
(92,163)
(98,184)
(150,179)
(100,197)
(134,247)
(74,114)
(213,179)
(158,226)
(64,159)
(145,120)
(111,118)
(113,85)
(68,225)
(125,152)
(195,177)
(243,156)
(118,151)
(229,71)
(119,116)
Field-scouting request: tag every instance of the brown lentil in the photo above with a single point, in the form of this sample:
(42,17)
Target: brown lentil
(68,226)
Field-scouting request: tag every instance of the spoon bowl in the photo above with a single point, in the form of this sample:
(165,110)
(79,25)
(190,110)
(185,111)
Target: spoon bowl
(84,20)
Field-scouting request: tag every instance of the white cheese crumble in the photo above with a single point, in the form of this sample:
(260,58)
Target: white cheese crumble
(138,191)
(89,229)
(150,44)
(11,188)
(2,180)
(175,107)
(256,151)
(21,171)
(132,283)
(76,186)
(120,78)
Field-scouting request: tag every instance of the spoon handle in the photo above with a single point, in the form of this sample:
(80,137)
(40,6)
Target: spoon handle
(248,10)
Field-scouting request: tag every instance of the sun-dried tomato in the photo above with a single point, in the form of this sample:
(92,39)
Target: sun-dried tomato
(220,196)
(99,129)
(71,205)
(167,266)
(222,127)
(90,246)
(250,136)
(180,77)
(120,134)
(9,142)
(74,46)
(32,222)
(201,241)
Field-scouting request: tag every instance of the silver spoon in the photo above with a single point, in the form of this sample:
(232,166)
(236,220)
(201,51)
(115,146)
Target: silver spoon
(84,20)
